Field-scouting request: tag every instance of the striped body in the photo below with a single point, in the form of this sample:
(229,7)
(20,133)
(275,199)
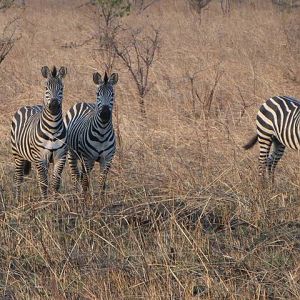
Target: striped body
(38,136)
(278,126)
(91,135)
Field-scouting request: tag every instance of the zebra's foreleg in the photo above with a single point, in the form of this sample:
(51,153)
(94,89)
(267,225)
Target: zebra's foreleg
(18,176)
(103,177)
(57,172)
(75,173)
(87,166)
(42,170)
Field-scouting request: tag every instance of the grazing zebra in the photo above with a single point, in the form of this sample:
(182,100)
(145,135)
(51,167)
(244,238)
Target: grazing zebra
(38,135)
(278,125)
(90,133)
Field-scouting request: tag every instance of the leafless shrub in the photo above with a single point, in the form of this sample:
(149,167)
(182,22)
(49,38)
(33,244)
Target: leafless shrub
(137,54)
(4,4)
(287,3)
(291,30)
(198,5)
(109,15)
(142,5)
(205,99)
(226,6)
(8,39)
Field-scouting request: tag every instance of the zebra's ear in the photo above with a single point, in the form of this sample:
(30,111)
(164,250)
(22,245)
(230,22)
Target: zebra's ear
(113,79)
(62,72)
(45,71)
(97,78)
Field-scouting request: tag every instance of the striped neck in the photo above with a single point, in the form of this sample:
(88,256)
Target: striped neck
(53,123)
(100,122)
(54,118)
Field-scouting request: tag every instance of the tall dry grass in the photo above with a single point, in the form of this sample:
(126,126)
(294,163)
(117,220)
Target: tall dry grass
(184,217)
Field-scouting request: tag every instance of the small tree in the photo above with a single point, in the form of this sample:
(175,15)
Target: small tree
(138,50)
(205,99)
(4,4)
(110,13)
(287,3)
(138,56)
(198,5)
(8,37)
(142,5)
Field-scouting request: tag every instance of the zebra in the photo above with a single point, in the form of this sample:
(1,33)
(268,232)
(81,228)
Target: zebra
(38,135)
(90,133)
(278,126)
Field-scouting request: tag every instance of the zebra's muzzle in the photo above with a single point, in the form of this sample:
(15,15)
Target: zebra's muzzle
(105,114)
(54,106)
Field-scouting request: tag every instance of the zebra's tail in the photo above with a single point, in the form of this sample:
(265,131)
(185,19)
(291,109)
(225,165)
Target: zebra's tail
(27,167)
(251,143)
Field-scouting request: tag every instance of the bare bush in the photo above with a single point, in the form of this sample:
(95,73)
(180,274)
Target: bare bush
(287,3)
(138,55)
(226,6)
(142,5)
(205,100)
(4,4)
(291,29)
(138,50)
(8,39)
(198,5)
(109,24)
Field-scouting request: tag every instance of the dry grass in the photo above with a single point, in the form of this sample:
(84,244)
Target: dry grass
(184,217)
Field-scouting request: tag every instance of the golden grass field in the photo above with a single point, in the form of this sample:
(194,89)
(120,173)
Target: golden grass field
(184,216)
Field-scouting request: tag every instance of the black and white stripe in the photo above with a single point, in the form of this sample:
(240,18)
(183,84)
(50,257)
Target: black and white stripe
(278,126)
(38,135)
(90,133)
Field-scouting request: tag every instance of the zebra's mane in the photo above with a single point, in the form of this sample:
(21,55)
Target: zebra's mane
(54,72)
(105,78)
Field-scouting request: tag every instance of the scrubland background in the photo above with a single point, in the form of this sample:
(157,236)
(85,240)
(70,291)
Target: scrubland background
(184,216)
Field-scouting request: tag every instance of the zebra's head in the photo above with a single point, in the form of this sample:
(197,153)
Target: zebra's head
(105,94)
(54,88)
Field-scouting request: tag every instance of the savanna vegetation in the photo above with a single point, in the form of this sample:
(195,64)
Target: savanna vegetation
(184,216)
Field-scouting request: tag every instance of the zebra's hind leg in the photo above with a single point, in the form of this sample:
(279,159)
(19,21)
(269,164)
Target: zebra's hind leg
(265,143)
(20,165)
(42,170)
(274,157)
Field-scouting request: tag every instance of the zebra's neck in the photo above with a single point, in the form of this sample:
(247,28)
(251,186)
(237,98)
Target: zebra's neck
(98,124)
(53,123)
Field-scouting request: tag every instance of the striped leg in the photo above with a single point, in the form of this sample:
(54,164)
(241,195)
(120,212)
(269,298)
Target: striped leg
(19,175)
(265,145)
(275,156)
(87,166)
(75,173)
(103,176)
(42,170)
(57,172)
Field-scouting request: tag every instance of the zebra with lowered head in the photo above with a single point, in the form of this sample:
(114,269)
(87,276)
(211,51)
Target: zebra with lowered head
(38,135)
(278,126)
(91,135)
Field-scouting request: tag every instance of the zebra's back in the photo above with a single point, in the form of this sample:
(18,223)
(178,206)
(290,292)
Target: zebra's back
(23,124)
(279,116)
(79,111)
